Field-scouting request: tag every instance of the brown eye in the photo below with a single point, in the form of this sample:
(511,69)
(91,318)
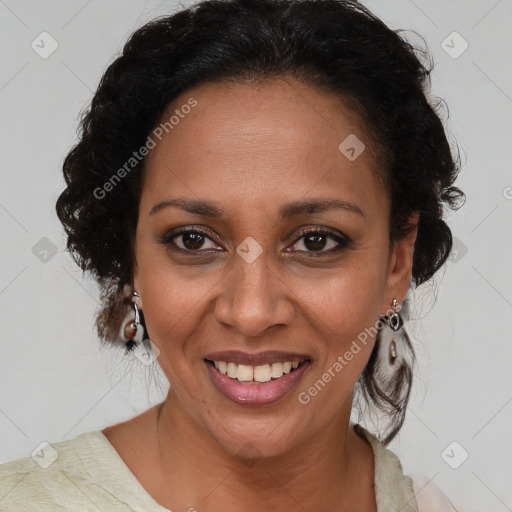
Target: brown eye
(188,240)
(315,242)
(321,241)
(192,241)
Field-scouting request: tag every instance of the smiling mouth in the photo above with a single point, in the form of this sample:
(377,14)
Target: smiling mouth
(248,374)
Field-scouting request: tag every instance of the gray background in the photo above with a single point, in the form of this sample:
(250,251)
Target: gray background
(56,383)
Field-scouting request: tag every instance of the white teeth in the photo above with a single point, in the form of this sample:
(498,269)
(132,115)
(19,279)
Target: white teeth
(232,370)
(262,373)
(276,370)
(244,373)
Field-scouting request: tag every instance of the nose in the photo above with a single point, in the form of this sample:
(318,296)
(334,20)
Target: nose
(254,298)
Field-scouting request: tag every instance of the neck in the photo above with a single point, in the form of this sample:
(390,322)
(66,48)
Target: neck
(332,470)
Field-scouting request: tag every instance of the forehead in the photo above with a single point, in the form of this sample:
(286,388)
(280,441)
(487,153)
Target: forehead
(263,143)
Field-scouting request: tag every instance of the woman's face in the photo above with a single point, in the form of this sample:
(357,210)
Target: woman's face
(251,281)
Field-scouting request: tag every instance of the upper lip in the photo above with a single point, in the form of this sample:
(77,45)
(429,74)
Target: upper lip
(256,359)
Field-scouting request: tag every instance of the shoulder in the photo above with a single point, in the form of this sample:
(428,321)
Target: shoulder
(55,476)
(393,488)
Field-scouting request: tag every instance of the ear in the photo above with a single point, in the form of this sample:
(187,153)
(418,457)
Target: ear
(400,266)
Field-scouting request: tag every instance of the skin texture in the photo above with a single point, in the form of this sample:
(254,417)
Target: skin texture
(250,148)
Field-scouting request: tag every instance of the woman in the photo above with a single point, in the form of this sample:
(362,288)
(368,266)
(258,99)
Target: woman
(258,185)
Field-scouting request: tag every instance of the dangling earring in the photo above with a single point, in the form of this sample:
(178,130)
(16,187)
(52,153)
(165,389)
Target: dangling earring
(136,326)
(392,352)
(395,322)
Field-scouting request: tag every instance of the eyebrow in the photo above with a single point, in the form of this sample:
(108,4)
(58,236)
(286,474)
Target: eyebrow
(287,211)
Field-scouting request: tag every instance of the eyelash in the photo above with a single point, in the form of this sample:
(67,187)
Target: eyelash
(343,242)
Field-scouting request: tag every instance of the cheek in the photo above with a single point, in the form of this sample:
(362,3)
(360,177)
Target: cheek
(174,313)
(174,294)
(346,320)
(171,316)
(345,336)
(347,302)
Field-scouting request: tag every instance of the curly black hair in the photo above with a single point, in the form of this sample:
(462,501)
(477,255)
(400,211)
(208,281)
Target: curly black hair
(336,45)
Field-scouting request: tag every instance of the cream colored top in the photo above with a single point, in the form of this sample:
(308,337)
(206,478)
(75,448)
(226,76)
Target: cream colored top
(86,474)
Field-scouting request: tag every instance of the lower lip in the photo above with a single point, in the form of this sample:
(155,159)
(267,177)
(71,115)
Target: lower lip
(256,394)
